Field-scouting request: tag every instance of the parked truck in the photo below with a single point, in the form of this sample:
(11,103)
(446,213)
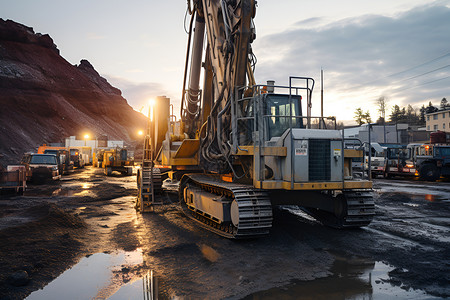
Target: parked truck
(377,155)
(65,165)
(431,160)
(43,167)
(426,161)
(76,157)
(399,162)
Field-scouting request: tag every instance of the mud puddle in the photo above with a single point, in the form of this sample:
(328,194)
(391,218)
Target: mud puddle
(122,275)
(432,198)
(98,276)
(66,190)
(354,278)
(63,192)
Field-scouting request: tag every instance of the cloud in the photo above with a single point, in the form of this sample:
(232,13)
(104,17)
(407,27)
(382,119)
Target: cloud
(401,57)
(311,22)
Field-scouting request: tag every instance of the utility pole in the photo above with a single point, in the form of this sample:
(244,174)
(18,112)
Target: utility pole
(370,152)
(321,99)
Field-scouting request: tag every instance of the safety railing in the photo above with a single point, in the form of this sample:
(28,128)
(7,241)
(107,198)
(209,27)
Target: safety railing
(358,166)
(251,120)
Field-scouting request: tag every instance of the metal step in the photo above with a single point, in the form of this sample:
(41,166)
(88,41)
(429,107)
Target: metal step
(145,200)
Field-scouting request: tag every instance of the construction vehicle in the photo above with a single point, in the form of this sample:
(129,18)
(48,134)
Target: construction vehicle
(97,158)
(25,161)
(117,160)
(43,167)
(377,156)
(13,179)
(86,154)
(240,148)
(430,160)
(398,162)
(45,147)
(65,165)
(76,157)
(63,156)
(427,161)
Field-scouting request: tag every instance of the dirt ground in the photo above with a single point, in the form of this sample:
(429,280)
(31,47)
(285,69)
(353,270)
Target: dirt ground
(87,215)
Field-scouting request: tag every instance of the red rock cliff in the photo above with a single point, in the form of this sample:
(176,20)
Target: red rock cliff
(44,98)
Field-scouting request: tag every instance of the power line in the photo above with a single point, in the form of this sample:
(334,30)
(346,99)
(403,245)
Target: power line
(401,72)
(422,74)
(425,83)
(418,66)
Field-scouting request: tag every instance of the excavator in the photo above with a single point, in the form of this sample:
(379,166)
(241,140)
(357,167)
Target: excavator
(241,148)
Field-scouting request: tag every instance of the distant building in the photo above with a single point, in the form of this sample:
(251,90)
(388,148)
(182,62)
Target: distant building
(101,142)
(439,120)
(388,134)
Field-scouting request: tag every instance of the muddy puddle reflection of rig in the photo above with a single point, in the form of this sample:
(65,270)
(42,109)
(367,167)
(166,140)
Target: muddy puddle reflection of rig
(150,286)
(351,279)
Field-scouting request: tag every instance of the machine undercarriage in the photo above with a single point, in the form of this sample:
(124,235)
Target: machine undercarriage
(241,211)
(228,209)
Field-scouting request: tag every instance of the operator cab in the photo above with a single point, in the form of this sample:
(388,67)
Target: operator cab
(277,113)
(276,116)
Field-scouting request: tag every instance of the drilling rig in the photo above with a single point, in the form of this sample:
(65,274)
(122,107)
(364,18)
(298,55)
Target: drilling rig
(240,148)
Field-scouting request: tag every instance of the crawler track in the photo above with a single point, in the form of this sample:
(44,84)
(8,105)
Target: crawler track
(255,209)
(357,210)
(360,209)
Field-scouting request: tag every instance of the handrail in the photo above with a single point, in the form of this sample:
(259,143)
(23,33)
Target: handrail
(361,146)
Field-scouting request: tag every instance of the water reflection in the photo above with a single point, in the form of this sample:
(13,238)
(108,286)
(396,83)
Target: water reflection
(95,277)
(354,278)
(434,198)
(150,286)
(128,275)
(61,191)
(209,253)
(431,198)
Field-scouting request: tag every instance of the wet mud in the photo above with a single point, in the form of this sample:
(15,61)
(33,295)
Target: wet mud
(84,232)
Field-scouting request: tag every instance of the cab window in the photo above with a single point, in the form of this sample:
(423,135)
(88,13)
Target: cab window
(279,109)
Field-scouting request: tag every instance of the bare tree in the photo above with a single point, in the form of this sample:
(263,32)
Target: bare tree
(382,106)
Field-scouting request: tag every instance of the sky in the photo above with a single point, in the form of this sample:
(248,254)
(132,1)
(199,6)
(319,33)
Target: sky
(398,49)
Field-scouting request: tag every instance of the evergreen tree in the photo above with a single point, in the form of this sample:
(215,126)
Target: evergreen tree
(359,116)
(396,114)
(411,115)
(367,118)
(431,108)
(423,111)
(444,103)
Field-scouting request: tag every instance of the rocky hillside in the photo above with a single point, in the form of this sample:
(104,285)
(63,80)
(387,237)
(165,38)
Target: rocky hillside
(45,99)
